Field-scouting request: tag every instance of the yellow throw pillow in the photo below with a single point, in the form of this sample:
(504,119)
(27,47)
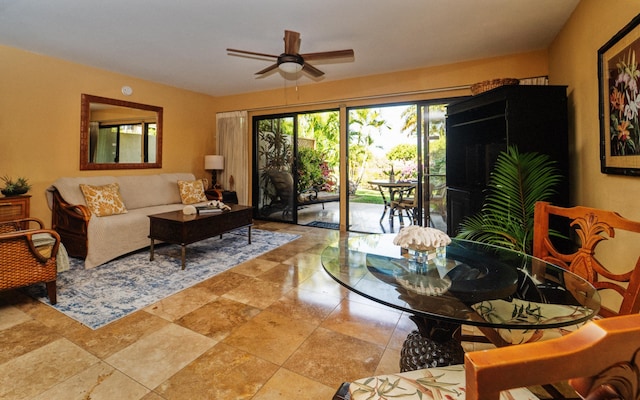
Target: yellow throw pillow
(103,200)
(192,191)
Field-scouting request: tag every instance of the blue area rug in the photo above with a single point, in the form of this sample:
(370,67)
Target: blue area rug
(98,296)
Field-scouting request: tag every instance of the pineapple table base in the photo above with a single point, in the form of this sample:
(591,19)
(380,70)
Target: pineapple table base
(432,345)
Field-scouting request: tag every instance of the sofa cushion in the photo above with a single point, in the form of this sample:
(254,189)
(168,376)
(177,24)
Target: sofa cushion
(103,200)
(192,192)
(69,188)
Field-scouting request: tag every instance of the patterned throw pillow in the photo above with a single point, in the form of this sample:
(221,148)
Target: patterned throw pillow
(192,191)
(103,200)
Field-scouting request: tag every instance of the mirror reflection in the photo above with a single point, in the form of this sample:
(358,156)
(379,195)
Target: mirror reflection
(117,134)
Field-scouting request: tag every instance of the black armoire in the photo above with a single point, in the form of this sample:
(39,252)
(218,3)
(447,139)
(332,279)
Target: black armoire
(534,118)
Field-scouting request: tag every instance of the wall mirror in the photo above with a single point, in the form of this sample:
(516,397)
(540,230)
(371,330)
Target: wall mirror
(117,134)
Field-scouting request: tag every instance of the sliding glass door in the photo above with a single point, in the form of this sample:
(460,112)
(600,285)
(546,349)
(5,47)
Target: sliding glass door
(394,153)
(433,142)
(274,184)
(297,159)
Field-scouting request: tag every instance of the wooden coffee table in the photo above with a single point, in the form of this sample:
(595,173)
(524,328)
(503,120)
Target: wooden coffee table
(178,228)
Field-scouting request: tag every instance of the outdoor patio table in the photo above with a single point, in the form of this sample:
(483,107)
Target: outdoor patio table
(468,283)
(392,188)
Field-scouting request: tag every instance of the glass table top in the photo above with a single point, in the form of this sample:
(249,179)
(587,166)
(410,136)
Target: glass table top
(466,282)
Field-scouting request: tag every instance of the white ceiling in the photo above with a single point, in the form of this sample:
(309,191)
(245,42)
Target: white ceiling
(183,43)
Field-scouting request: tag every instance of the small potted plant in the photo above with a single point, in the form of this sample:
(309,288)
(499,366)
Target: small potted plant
(15,188)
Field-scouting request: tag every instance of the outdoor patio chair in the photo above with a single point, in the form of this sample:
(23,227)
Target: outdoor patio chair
(282,182)
(406,202)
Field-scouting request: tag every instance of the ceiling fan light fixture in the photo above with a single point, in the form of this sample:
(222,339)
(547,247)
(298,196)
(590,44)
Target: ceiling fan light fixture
(290,67)
(290,63)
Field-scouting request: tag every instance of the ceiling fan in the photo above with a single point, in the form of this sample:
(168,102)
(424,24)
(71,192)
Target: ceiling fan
(291,61)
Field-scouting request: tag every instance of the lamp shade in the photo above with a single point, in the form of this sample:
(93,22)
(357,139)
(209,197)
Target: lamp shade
(213,162)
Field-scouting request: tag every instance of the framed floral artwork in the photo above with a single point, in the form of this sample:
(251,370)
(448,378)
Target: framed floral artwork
(619,89)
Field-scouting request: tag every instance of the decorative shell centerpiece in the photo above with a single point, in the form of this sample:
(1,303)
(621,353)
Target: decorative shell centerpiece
(421,275)
(421,239)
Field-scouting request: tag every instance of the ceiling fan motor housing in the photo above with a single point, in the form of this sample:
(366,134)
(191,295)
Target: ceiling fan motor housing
(290,58)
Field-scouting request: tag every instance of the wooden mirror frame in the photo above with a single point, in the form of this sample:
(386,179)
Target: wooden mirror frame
(85,119)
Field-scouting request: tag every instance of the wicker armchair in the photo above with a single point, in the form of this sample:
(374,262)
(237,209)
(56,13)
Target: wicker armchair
(22,263)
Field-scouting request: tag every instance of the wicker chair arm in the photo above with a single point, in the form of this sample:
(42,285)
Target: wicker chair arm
(20,224)
(27,237)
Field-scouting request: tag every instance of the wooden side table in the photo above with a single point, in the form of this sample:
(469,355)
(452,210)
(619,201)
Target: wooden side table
(226,196)
(14,207)
(213,194)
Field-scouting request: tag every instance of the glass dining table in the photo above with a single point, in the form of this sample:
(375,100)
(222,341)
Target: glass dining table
(466,283)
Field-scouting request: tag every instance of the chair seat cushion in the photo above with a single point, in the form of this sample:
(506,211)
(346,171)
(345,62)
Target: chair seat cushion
(432,383)
(520,311)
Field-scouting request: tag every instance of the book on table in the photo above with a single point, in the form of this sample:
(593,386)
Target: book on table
(208,210)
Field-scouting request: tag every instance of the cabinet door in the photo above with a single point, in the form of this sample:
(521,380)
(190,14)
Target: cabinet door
(12,208)
(459,205)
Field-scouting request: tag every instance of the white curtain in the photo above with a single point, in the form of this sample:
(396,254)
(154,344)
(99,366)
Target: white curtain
(232,143)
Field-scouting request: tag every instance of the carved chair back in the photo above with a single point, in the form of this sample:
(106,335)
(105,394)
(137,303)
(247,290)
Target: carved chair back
(591,227)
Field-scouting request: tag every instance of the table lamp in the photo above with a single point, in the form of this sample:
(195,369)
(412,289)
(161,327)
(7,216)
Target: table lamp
(214,163)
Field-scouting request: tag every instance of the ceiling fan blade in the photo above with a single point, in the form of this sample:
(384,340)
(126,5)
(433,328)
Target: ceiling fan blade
(328,54)
(269,68)
(311,70)
(291,42)
(253,53)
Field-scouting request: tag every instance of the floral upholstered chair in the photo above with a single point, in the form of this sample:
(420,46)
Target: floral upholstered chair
(601,360)
(431,383)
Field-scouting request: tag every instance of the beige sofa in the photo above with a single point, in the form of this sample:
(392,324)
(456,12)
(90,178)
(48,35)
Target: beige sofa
(101,239)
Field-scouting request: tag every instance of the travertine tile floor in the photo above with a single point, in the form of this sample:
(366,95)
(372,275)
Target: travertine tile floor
(276,327)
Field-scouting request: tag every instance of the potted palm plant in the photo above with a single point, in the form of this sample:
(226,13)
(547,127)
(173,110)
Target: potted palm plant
(517,182)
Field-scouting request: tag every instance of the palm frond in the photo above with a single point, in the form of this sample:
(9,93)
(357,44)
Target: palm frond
(517,182)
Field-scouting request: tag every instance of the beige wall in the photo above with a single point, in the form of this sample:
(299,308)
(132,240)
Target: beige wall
(573,61)
(40,120)
(386,88)
(40,109)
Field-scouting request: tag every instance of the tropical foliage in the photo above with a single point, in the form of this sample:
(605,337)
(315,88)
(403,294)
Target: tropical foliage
(517,182)
(311,168)
(404,158)
(324,129)
(275,136)
(364,125)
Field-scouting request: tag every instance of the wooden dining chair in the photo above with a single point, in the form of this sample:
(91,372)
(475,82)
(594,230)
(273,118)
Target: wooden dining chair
(590,227)
(568,237)
(600,360)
